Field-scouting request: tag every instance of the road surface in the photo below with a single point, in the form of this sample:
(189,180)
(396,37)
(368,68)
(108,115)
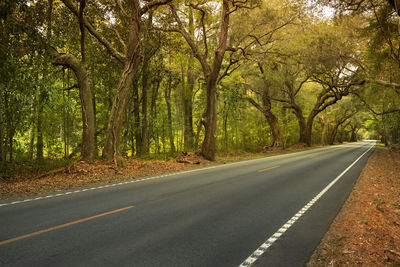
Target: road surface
(264,212)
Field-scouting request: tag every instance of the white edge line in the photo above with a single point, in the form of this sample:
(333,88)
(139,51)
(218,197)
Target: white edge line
(161,176)
(264,246)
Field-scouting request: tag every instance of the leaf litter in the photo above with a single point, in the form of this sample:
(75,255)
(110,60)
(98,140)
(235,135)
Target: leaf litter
(366,231)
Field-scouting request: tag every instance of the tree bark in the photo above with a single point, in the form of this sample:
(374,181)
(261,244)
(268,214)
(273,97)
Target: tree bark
(276,133)
(130,59)
(153,106)
(111,146)
(270,117)
(324,134)
(145,126)
(303,129)
(210,129)
(86,98)
(1,130)
(39,127)
(167,95)
(188,94)
(333,134)
(136,114)
(210,137)
(211,73)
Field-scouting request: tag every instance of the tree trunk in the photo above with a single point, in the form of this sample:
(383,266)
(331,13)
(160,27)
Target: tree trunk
(225,125)
(145,127)
(31,142)
(210,133)
(188,108)
(39,128)
(86,98)
(10,143)
(111,146)
(136,114)
(168,102)
(303,130)
(272,120)
(274,125)
(324,134)
(188,94)
(308,132)
(96,152)
(199,127)
(333,134)
(211,74)
(153,111)
(353,136)
(1,131)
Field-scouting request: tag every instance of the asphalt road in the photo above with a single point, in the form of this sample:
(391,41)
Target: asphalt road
(268,212)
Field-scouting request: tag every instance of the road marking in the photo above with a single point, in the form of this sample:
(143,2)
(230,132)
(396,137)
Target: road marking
(313,156)
(62,226)
(261,249)
(263,170)
(165,175)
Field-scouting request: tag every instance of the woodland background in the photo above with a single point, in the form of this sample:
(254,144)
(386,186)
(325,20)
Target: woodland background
(148,79)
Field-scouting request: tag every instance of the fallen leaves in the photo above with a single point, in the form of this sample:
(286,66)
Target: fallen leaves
(366,232)
(81,174)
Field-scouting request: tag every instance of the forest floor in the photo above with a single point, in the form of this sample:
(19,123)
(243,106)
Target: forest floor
(31,181)
(366,231)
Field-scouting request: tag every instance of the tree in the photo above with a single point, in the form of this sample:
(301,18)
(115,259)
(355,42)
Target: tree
(130,61)
(210,70)
(264,92)
(329,63)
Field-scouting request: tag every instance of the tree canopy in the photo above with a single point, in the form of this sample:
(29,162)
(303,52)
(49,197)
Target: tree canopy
(132,78)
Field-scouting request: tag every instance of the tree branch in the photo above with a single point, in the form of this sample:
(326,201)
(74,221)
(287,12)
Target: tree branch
(181,29)
(114,52)
(203,26)
(151,4)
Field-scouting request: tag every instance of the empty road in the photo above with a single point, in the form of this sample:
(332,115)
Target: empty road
(265,212)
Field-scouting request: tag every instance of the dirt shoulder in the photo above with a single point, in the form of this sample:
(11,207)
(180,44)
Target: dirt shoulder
(366,232)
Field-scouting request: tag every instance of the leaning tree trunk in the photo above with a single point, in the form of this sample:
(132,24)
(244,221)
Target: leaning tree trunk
(111,146)
(324,134)
(85,95)
(276,133)
(333,134)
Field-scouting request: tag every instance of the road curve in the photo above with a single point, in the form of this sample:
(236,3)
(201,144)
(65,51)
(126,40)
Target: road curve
(264,212)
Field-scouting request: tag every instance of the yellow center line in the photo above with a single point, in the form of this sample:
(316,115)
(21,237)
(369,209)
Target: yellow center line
(263,170)
(312,156)
(62,226)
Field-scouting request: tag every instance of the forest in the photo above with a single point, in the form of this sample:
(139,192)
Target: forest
(115,79)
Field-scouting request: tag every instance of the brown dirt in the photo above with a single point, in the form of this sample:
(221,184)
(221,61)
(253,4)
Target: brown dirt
(366,232)
(81,174)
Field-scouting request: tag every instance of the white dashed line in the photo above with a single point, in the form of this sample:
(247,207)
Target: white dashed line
(259,251)
(158,177)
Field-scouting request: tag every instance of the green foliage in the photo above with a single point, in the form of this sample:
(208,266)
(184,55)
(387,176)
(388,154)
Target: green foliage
(271,48)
